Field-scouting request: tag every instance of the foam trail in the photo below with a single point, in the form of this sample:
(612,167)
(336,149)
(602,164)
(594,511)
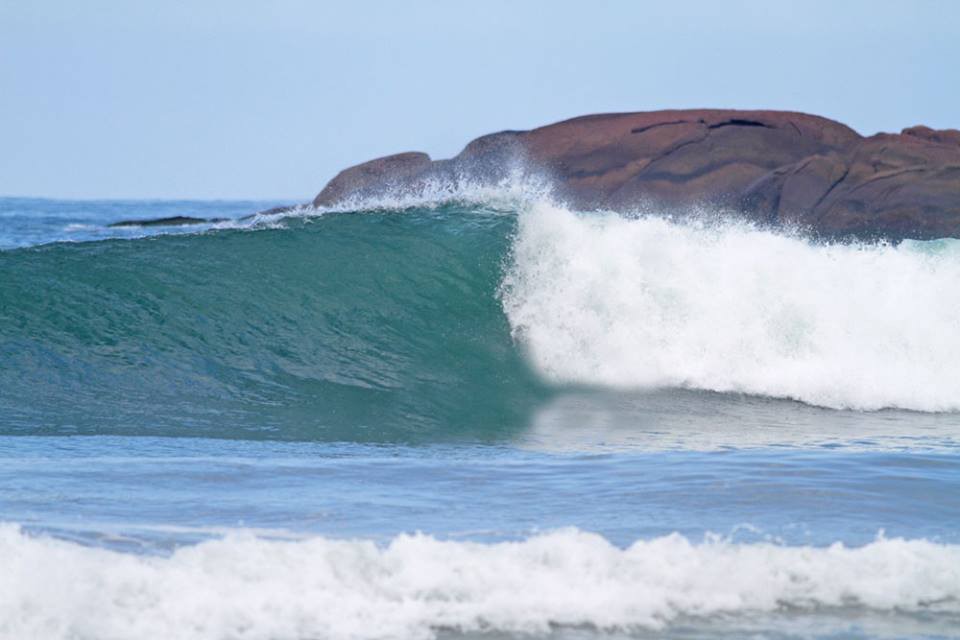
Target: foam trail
(247,587)
(645,302)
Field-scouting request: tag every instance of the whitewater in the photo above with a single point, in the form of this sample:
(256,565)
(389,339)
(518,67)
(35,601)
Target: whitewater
(609,300)
(472,412)
(246,587)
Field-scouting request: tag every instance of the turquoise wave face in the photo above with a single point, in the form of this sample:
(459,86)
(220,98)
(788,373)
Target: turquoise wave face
(373,327)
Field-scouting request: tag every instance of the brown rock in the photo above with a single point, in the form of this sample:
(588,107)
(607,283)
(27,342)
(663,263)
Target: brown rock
(382,173)
(777,168)
(945,136)
(884,186)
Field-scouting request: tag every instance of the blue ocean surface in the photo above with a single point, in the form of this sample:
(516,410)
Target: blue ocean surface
(471,415)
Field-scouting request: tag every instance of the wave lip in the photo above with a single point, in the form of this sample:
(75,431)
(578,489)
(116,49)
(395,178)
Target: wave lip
(242,586)
(603,299)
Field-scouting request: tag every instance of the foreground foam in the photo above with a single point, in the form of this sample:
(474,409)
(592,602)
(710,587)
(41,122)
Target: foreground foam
(645,302)
(242,586)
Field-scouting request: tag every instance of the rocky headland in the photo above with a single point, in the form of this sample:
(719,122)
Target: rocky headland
(776,168)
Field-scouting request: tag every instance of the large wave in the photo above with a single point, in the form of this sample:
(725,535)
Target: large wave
(395,322)
(247,587)
(604,299)
(367,326)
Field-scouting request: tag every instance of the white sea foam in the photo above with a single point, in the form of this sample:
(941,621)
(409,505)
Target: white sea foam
(518,188)
(645,302)
(246,587)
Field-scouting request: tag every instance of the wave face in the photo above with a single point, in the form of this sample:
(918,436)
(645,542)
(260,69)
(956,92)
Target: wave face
(242,586)
(381,325)
(643,302)
(404,323)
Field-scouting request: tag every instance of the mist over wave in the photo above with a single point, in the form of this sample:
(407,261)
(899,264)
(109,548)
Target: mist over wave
(611,300)
(242,586)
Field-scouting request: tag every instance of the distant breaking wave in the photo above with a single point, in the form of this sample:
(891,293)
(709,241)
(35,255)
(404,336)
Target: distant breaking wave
(247,587)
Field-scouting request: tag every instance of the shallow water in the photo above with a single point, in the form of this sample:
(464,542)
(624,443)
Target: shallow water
(449,419)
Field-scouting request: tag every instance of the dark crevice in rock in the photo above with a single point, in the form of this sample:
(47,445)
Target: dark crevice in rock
(682,178)
(796,170)
(675,149)
(830,189)
(740,122)
(580,174)
(590,174)
(887,176)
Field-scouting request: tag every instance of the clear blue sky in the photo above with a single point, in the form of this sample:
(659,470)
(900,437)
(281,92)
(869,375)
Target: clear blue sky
(268,99)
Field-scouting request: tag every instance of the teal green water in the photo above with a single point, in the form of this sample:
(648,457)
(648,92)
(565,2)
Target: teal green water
(343,327)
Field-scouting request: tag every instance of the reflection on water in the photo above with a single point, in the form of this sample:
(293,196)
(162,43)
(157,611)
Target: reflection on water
(703,421)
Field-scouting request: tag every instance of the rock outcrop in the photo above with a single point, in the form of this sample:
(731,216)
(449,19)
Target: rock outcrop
(170,221)
(773,167)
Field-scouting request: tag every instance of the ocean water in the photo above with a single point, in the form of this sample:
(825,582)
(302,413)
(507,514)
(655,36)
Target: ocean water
(472,414)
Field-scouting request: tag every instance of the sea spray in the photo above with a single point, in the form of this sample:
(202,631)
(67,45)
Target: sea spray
(639,302)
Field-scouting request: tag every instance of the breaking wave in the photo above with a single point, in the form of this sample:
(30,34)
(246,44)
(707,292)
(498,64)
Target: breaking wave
(247,587)
(460,311)
(604,299)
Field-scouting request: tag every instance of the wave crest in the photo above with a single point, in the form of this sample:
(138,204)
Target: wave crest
(603,299)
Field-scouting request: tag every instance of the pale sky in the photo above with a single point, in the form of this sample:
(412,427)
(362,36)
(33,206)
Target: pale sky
(269,99)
